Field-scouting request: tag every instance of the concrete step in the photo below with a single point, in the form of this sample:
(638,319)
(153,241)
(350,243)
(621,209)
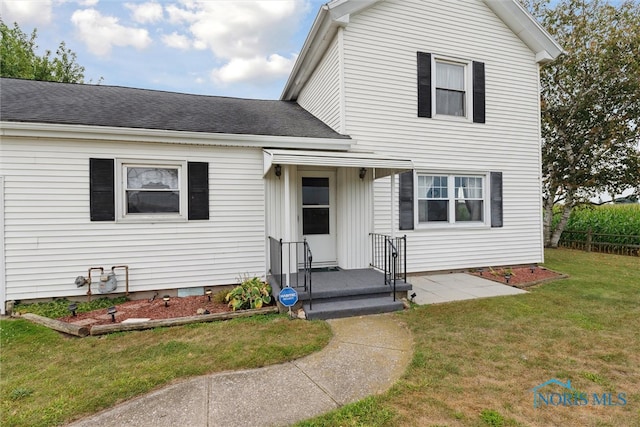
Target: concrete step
(334,308)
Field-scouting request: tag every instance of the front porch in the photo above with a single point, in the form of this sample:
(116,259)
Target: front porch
(326,293)
(339,293)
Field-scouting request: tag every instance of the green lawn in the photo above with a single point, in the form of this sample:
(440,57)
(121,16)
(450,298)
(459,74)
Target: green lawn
(47,379)
(476,362)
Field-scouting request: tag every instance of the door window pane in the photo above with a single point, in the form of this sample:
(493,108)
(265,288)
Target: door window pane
(315,221)
(315,191)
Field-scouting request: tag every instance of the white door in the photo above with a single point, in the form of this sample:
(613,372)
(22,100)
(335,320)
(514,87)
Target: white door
(317,215)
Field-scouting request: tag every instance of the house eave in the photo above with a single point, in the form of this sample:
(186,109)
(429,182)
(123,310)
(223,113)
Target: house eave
(117,134)
(331,16)
(527,28)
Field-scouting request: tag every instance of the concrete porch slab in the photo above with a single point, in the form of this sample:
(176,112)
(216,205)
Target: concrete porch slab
(439,288)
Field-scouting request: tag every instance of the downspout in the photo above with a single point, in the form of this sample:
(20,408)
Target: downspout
(393,204)
(3,270)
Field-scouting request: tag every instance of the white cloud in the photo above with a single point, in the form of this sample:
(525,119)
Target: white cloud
(26,12)
(146,12)
(256,70)
(245,34)
(177,41)
(87,3)
(100,33)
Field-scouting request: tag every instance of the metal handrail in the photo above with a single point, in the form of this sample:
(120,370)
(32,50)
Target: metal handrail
(282,265)
(388,254)
(308,259)
(392,272)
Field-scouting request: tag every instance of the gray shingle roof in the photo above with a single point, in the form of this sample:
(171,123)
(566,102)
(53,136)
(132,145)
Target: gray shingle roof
(97,105)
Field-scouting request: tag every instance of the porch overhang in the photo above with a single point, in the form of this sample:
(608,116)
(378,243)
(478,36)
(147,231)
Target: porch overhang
(383,165)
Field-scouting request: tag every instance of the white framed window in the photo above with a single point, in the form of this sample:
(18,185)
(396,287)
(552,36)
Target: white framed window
(451,88)
(452,199)
(151,190)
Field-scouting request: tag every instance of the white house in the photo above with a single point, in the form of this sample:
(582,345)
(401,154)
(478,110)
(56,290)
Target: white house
(400,117)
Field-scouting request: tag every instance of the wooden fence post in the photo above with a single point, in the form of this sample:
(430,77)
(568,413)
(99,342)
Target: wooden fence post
(589,237)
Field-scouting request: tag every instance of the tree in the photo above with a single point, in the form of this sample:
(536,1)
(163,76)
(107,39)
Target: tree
(590,105)
(19,59)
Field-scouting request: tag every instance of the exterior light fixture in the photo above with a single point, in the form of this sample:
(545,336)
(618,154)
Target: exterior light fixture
(363,173)
(112,311)
(480,270)
(208,293)
(413,295)
(507,277)
(532,267)
(72,308)
(278,170)
(166,300)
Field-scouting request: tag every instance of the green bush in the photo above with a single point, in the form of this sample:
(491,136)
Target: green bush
(251,293)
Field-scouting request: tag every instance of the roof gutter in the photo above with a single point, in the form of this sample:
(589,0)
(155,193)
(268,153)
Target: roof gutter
(117,134)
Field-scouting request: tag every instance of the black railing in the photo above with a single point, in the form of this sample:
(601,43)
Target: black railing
(389,255)
(290,264)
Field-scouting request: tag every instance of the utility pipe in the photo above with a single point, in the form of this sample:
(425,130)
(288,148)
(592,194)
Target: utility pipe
(126,275)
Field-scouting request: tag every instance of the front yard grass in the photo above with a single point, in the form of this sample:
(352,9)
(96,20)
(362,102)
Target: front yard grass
(48,379)
(476,362)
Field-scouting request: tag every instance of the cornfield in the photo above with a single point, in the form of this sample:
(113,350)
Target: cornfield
(608,228)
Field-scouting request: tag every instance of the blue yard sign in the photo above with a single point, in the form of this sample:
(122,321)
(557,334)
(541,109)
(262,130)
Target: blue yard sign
(288,297)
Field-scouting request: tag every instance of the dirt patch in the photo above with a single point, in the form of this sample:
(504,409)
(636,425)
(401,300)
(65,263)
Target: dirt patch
(521,277)
(150,309)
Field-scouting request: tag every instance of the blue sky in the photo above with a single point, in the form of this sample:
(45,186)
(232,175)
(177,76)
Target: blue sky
(214,47)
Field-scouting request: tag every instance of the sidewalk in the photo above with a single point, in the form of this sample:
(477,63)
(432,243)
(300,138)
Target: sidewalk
(366,356)
(439,288)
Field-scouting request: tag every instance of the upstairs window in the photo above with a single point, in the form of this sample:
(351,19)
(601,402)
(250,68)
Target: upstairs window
(450,89)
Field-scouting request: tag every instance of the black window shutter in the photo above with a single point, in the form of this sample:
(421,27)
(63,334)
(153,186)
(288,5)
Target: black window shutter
(101,190)
(406,200)
(478,92)
(424,84)
(198,182)
(496,199)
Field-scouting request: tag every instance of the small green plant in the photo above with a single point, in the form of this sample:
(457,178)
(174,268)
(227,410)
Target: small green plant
(20,393)
(492,418)
(251,293)
(220,297)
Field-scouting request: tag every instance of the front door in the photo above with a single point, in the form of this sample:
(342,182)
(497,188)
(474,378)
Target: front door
(317,215)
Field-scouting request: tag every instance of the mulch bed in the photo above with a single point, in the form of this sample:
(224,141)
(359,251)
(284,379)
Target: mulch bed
(146,309)
(522,277)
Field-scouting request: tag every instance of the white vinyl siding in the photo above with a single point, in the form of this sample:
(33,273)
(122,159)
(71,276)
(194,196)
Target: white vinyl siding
(321,95)
(49,238)
(380,46)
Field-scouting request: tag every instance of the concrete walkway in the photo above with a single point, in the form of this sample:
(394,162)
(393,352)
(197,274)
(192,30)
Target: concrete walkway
(438,288)
(366,356)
